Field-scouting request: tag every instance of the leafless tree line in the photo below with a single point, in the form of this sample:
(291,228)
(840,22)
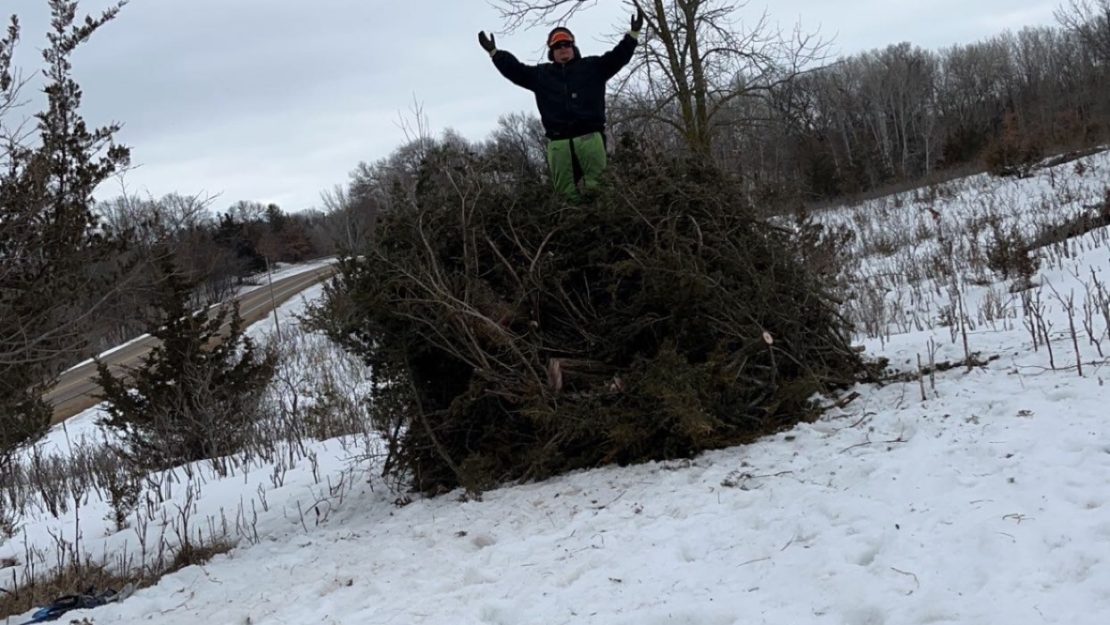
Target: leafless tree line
(902,113)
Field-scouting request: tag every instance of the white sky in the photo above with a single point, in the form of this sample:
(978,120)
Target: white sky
(276,100)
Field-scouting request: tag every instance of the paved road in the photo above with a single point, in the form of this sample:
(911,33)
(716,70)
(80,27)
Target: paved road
(76,388)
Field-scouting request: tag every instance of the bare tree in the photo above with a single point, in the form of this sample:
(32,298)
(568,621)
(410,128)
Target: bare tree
(697,58)
(1090,20)
(350,218)
(180,225)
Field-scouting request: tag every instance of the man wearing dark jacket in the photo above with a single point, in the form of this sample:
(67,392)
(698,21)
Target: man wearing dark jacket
(570,94)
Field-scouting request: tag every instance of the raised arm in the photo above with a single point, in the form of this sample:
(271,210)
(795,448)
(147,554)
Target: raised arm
(518,73)
(614,60)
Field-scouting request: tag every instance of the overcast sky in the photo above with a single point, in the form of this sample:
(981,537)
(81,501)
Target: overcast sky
(277,100)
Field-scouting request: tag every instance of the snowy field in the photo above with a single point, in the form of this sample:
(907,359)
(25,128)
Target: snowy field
(971,496)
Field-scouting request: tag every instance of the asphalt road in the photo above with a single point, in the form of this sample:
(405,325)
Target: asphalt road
(76,388)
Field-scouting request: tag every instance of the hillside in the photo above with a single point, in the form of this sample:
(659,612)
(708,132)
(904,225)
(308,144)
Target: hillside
(975,493)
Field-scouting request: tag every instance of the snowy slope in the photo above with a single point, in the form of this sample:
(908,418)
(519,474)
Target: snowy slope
(974,497)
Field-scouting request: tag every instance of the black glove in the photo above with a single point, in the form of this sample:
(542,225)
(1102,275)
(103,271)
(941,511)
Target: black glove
(488,43)
(638,20)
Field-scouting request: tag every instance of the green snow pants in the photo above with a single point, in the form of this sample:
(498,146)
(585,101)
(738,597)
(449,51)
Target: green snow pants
(581,158)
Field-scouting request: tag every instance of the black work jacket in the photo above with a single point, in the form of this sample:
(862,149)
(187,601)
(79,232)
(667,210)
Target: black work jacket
(570,96)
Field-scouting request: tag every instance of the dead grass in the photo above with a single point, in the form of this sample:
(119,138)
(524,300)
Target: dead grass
(81,577)
(72,580)
(191,555)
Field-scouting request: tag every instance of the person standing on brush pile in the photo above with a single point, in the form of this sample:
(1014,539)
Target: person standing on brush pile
(570,94)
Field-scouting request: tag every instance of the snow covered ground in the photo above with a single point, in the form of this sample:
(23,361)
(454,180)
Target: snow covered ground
(974,497)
